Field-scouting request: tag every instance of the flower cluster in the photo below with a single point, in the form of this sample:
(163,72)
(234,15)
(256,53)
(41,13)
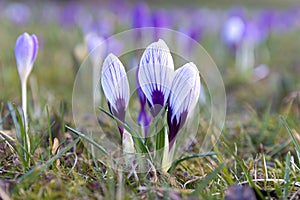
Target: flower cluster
(158,85)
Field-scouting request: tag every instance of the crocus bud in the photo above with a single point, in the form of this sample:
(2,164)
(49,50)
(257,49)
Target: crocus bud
(183,98)
(115,87)
(26,49)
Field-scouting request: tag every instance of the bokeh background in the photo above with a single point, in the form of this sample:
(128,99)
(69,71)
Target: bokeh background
(255,44)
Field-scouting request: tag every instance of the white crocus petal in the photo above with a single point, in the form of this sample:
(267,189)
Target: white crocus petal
(114,81)
(185,90)
(155,72)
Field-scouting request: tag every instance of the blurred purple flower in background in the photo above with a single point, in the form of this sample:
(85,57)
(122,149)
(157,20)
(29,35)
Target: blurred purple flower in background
(160,19)
(140,17)
(70,14)
(233,31)
(18,13)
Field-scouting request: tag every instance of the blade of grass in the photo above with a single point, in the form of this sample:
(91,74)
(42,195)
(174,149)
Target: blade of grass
(49,130)
(287,175)
(62,117)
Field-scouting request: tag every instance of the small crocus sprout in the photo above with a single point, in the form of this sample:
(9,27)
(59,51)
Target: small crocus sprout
(26,49)
(115,87)
(155,74)
(183,98)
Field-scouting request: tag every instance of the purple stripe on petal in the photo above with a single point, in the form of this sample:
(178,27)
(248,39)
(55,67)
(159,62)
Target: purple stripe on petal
(35,47)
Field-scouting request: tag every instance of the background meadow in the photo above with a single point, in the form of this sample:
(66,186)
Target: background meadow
(260,145)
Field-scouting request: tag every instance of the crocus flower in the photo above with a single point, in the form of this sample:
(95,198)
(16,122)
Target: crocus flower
(116,90)
(115,87)
(26,49)
(183,98)
(233,31)
(155,75)
(18,13)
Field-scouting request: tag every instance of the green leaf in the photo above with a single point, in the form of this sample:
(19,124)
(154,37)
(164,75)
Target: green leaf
(160,144)
(160,139)
(287,175)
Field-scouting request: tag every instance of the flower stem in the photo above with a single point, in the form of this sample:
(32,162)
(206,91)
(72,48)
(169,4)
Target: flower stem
(24,108)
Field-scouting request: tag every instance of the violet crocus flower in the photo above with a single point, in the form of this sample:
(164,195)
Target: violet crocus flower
(115,87)
(159,20)
(184,95)
(70,14)
(140,17)
(233,31)
(155,75)
(26,49)
(18,13)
